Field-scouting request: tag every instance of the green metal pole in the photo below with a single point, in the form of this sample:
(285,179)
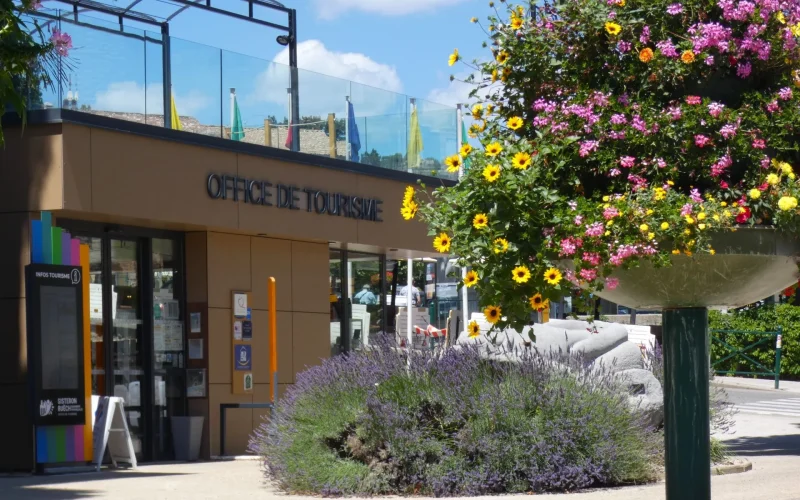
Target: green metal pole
(686,419)
(778,342)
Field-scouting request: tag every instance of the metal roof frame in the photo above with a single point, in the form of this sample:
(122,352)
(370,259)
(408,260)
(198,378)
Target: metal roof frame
(290,39)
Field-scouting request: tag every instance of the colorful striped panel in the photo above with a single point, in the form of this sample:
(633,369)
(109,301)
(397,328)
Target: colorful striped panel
(66,249)
(60,444)
(75,251)
(37,255)
(47,238)
(56,242)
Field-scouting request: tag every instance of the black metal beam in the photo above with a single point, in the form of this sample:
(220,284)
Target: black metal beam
(294,79)
(250,18)
(166,64)
(51,17)
(113,11)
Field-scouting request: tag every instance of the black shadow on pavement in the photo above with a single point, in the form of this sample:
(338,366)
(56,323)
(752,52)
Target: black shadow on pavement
(787,444)
(25,488)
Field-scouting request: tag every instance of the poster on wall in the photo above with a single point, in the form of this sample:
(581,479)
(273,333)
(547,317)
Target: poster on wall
(240,305)
(237,330)
(194,320)
(242,357)
(196,383)
(248,382)
(247,330)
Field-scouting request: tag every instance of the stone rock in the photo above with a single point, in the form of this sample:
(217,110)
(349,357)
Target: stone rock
(608,337)
(557,338)
(625,356)
(646,393)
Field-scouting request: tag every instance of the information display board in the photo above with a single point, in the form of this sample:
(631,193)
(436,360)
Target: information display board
(55,343)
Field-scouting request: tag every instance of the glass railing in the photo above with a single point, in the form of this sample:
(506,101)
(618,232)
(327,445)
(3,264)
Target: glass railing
(120,75)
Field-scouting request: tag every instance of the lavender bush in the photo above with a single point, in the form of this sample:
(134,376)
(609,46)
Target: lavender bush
(454,424)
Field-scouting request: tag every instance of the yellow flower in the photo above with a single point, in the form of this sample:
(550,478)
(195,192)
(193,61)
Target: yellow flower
(521,274)
(476,128)
(687,232)
(493,149)
(454,57)
(516,22)
(492,314)
(613,29)
(785,168)
(610,223)
(689,219)
(780,17)
(787,203)
(470,279)
(409,210)
(755,194)
(723,204)
(643,228)
(687,57)
(408,194)
(480,221)
(664,226)
(606,198)
(500,245)
(552,276)
(473,329)
(646,55)
(501,57)
(491,173)
(726,213)
(712,251)
(649,211)
(659,193)
(670,183)
(466,149)
(521,160)
(701,216)
(477,110)
(773,179)
(442,243)
(688,253)
(473,20)
(607,233)
(453,163)
(514,123)
(792,176)
(489,109)
(494,75)
(676,252)
(715,217)
(620,3)
(538,303)
(701,226)
(796,29)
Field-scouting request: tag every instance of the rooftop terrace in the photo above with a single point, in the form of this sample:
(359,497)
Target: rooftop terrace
(118,71)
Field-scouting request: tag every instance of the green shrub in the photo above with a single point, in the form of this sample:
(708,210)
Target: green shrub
(762,319)
(454,424)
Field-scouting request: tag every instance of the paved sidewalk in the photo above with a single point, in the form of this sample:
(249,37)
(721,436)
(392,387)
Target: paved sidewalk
(756,383)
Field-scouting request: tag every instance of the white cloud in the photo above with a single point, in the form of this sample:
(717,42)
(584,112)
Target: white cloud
(456,92)
(328,9)
(132,97)
(325,78)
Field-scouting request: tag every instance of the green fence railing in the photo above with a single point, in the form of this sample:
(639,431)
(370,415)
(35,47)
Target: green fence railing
(721,337)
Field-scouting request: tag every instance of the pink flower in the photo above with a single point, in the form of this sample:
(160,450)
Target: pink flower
(721,166)
(675,113)
(614,172)
(759,143)
(715,109)
(701,141)
(693,100)
(694,194)
(596,229)
(723,184)
(587,147)
(728,131)
(645,36)
(567,247)
(773,107)
(624,46)
(686,210)
(592,258)
(660,163)
(618,119)
(709,61)
(570,276)
(785,94)
(610,213)
(578,220)
(674,9)
(765,161)
(612,283)
(573,205)
(627,161)
(743,69)
(61,41)
(588,274)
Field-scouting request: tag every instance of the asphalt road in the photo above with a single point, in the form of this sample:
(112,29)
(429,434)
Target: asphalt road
(742,396)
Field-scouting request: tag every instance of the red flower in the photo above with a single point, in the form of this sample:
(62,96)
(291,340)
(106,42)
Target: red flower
(789,291)
(723,184)
(764,186)
(743,216)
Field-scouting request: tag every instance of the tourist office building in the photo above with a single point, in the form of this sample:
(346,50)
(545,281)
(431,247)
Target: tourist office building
(177,225)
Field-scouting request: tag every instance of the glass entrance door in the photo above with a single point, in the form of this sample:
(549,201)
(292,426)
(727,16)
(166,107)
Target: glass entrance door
(136,301)
(128,346)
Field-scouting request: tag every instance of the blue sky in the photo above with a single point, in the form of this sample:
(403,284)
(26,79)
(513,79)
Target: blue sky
(401,46)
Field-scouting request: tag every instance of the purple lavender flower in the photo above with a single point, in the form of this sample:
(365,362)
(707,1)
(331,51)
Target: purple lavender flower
(614,172)
(667,48)
(709,61)
(674,9)
(694,194)
(686,210)
(660,163)
(639,124)
(675,113)
(743,69)
(624,46)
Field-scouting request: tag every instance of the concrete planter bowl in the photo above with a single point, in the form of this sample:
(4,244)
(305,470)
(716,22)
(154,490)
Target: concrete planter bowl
(750,264)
